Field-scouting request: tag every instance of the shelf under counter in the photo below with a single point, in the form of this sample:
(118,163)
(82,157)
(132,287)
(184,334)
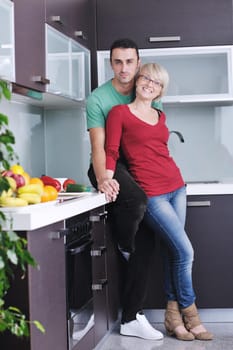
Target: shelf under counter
(36,216)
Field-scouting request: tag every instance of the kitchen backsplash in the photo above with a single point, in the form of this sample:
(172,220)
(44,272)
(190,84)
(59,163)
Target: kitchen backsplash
(67,144)
(27,124)
(207,151)
(56,142)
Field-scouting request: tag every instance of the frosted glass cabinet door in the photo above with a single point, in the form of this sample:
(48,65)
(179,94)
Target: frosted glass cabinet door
(197,74)
(7,54)
(77,72)
(57,62)
(67,66)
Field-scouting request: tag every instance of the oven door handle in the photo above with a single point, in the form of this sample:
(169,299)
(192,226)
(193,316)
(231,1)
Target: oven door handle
(81,248)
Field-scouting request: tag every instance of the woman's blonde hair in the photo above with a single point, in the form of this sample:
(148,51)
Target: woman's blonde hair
(157,72)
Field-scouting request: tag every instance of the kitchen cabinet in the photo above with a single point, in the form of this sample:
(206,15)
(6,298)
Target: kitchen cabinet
(30,47)
(197,74)
(7,41)
(105,276)
(162,23)
(67,66)
(41,294)
(30,44)
(71,18)
(209,225)
(53,292)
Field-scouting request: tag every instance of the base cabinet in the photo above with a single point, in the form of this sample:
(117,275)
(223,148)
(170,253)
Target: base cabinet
(43,294)
(209,226)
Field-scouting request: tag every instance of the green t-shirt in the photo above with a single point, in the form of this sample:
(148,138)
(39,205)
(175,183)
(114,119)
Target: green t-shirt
(101,101)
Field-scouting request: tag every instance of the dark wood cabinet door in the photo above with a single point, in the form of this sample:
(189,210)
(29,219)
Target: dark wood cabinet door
(30,44)
(209,225)
(72,17)
(99,277)
(197,23)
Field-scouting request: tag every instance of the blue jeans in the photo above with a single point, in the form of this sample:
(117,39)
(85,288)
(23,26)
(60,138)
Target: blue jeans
(166,214)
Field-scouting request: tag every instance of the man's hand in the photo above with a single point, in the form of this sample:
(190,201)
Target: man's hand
(110,187)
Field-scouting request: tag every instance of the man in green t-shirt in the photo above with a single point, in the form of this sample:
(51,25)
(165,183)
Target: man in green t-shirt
(128,200)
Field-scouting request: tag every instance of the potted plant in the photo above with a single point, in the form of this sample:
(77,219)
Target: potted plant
(13,249)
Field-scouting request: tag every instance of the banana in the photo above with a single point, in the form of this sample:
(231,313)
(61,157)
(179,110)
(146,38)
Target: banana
(8,193)
(31,188)
(31,198)
(12,202)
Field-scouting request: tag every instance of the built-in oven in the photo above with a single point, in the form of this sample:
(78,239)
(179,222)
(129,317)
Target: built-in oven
(78,245)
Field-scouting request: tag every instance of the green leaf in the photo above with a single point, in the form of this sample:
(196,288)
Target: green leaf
(7,138)
(13,237)
(2,264)
(4,184)
(5,89)
(15,309)
(6,92)
(12,257)
(3,119)
(39,326)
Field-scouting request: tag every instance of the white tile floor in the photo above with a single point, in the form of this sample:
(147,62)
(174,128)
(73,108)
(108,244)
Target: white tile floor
(223,339)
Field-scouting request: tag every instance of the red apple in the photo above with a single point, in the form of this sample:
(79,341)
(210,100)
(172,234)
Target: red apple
(20,181)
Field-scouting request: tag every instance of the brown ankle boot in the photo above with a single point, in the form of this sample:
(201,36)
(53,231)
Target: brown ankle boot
(192,320)
(173,319)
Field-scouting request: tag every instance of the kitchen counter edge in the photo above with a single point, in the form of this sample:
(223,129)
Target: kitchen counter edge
(39,215)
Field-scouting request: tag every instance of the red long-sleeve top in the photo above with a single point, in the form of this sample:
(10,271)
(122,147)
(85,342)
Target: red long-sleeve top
(145,148)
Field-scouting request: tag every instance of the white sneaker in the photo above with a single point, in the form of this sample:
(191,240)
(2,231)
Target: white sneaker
(140,328)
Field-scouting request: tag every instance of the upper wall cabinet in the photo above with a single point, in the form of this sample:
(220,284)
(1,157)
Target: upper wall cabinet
(30,44)
(7,54)
(165,23)
(71,18)
(67,66)
(197,74)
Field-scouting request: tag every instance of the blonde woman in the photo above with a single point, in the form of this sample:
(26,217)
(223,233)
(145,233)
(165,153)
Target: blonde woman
(141,132)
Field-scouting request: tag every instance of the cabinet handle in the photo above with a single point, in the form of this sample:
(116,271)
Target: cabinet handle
(153,39)
(80,34)
(40,79)
(82,248)
(98,217)
(100,285)
(56,19)
(198,203)
(58,234)
(98,252)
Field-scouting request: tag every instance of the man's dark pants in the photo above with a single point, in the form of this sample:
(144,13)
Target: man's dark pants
(131,235)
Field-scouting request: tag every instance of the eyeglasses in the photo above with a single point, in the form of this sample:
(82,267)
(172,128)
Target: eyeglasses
(149,80)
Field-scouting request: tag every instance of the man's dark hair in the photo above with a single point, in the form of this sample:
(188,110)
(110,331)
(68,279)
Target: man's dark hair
(123,44)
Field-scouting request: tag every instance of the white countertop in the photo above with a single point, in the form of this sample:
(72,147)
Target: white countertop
(35,216)
(209,188)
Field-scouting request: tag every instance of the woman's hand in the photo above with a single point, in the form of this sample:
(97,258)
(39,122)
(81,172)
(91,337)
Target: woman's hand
(110,187)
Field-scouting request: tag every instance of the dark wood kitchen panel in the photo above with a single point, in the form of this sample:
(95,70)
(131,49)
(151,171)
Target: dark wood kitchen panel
(72,17)
(177,23)
(30,44)
(209,225)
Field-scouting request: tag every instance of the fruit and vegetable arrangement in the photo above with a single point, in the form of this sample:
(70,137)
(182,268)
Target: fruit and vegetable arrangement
(24,189)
